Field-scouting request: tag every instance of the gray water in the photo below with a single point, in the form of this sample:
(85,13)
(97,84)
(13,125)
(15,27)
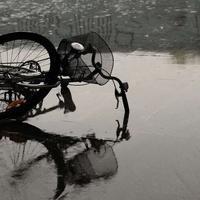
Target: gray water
(155,46)
(126,25)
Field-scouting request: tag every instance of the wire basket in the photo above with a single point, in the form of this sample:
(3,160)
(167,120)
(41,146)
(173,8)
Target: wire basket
(92,164)
(81,68)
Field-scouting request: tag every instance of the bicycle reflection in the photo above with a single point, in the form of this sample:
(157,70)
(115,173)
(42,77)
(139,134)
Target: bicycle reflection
(26,150)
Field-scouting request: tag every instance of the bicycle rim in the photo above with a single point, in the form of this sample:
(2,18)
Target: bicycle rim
(24,52)
(23,157)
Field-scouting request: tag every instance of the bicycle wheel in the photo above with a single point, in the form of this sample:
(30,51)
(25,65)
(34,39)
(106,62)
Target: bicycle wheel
(24,52)
(25,155)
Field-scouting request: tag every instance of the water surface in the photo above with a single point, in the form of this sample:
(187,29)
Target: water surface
(126,25)
(156,49)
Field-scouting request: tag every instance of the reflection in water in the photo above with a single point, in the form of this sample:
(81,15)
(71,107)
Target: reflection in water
(179,56)
(31,158)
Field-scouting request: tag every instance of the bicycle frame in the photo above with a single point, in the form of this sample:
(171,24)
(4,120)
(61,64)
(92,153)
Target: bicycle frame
(36,80)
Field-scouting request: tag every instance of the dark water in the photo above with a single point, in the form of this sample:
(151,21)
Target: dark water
(126,25)
(161,160)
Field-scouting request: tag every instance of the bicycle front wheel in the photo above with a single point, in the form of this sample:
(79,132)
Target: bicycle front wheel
(24,52)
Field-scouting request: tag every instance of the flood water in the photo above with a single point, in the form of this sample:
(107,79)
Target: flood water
(126,25)
(155,46)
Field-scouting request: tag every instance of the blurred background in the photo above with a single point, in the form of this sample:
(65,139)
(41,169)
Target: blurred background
(125,24)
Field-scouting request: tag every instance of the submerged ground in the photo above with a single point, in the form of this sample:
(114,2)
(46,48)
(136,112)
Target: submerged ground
(160,161)
(155,47)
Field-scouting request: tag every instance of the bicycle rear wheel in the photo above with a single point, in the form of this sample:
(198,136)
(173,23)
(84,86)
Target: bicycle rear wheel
(24,52)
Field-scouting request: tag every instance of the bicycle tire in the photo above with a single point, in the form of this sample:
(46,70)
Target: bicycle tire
(26,153)
(39,46)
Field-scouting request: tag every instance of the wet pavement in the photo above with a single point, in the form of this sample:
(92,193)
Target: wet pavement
(155,47)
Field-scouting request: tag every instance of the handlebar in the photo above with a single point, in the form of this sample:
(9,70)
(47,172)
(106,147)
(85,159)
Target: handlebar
(77,50)
(124,98)
(123,89)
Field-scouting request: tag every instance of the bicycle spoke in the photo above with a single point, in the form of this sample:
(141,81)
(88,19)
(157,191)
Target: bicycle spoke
(23,58)
(42,56)
(12,50)
(20,50)
(30,52)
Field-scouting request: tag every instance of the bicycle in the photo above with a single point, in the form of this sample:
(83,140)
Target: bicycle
(24,147)
(30,66)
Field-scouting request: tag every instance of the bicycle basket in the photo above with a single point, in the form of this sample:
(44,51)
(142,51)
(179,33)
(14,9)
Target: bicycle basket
(81,68)
(92,164)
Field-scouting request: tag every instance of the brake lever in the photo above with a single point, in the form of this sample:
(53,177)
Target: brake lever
(119,129)
(125,134)
(124,87)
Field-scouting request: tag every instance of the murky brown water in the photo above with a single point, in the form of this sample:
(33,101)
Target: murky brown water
(161,160)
